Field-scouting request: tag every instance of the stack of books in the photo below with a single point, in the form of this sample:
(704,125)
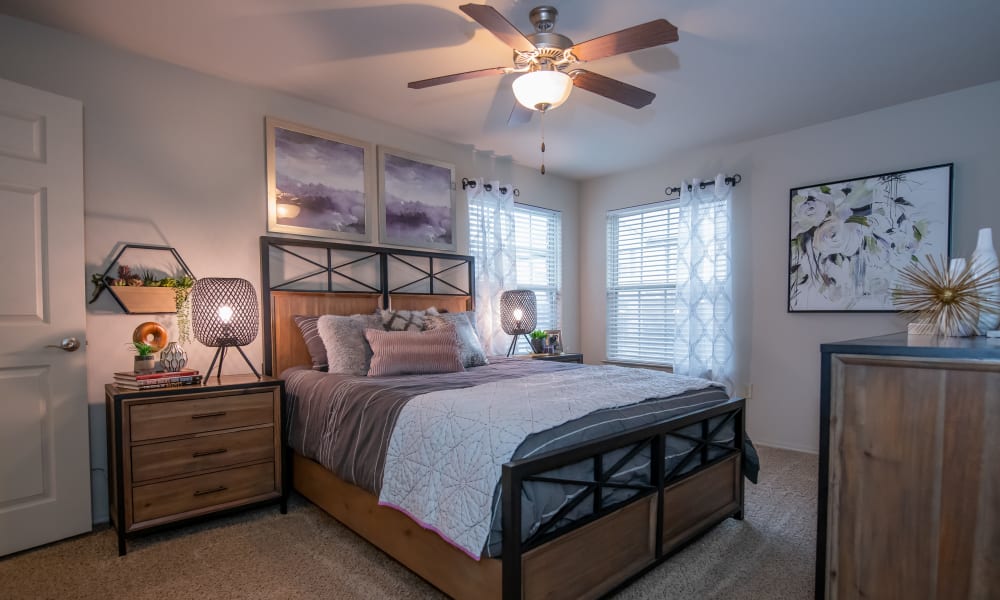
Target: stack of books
(130,380)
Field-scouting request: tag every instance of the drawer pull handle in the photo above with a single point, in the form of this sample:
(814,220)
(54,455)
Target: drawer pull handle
(221,488)
(221,413)
(209,452)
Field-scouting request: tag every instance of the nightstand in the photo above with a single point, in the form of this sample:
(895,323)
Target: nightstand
(570,357)
(191,451)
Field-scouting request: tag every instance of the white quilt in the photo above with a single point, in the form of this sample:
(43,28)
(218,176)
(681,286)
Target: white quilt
(446,453)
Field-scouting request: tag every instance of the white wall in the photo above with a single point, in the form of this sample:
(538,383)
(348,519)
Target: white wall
(175,157)
(778,351)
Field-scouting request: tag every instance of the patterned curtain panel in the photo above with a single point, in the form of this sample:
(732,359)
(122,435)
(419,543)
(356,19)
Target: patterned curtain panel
(703,346)
(491,242)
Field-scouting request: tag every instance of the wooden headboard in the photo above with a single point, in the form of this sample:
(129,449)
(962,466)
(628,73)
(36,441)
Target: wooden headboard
(312,277)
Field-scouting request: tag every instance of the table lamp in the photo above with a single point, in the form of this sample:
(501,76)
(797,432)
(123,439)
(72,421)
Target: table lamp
(518,314)
(224,315)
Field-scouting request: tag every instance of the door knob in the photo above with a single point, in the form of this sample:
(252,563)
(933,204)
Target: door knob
(69,344)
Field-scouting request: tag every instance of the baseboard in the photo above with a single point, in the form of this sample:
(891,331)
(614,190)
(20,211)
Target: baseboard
(781,446)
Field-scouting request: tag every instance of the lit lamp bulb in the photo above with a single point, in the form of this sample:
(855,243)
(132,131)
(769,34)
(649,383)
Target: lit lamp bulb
(518,314)
(225,314)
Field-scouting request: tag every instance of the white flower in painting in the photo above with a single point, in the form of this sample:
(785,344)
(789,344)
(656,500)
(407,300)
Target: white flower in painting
(838,237)
(808,212)
(879,224)
(837,281)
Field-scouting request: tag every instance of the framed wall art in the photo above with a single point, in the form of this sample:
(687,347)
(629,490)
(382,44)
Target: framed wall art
(849,240)
(319,183)
(416,200)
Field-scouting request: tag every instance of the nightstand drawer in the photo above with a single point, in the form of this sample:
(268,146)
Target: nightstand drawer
(186,416)
(200,491)
(178,457)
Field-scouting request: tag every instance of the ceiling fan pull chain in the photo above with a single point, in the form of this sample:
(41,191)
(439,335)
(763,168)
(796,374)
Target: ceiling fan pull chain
(543,142)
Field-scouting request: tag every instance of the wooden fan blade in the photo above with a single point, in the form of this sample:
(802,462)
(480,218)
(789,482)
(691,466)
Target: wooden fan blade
(425,83)
(488,17)
(613,89)
(519,115)
(647,35)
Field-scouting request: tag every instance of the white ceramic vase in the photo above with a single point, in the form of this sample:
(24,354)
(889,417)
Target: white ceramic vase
(173,357)
(984,261)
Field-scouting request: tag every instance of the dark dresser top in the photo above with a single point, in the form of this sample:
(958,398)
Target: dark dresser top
(901,344)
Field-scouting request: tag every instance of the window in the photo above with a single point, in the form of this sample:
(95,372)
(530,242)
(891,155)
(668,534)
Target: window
(538,251)
(642,281)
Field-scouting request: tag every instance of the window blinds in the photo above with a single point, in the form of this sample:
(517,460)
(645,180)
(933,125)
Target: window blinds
(538,248)
(641,286)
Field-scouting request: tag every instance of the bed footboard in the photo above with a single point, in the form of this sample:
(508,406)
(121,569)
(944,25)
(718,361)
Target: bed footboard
(686,493)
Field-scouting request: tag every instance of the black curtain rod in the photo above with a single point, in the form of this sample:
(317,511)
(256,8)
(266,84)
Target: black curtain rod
(471,183)
(731,180)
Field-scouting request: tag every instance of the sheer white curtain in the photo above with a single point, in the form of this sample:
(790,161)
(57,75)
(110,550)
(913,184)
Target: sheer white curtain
(704,343)
(491,242)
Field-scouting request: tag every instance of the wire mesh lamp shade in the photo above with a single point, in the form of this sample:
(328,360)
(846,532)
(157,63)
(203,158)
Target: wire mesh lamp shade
(224,315)
(518,315)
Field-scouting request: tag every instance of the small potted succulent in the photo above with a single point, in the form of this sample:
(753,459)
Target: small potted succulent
(538,338)
(145,362)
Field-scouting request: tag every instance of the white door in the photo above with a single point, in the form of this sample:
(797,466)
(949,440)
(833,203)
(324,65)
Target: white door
(44,445)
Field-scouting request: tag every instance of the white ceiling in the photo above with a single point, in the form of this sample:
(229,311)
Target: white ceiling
(742,69)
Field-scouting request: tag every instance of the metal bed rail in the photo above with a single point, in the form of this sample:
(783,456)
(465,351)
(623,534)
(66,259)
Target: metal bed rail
(712,421)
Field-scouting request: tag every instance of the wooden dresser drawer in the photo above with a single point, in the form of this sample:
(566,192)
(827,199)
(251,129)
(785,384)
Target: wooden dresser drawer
(179,457)
(200,491)
(187,416)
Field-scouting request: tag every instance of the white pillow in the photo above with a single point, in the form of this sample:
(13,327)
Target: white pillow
(347,350)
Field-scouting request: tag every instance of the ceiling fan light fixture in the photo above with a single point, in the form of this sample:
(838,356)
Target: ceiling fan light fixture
(542,90)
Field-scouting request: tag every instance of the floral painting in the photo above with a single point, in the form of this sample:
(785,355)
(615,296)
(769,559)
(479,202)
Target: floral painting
(319,184)
(849,240)
(417,201)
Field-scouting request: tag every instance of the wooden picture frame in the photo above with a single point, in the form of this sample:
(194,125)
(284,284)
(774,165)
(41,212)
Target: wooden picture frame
(554,338)
(848,240)
(416,201)
(318,183)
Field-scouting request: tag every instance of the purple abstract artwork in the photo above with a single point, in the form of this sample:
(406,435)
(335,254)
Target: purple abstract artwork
(319,183)
(417,202)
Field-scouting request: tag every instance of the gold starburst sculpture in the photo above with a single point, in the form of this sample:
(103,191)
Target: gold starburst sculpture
(950,302)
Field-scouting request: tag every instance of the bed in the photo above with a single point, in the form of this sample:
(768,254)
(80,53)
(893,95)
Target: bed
(626,500)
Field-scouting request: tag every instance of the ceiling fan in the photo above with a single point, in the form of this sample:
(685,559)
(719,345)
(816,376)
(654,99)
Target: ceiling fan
(549,62)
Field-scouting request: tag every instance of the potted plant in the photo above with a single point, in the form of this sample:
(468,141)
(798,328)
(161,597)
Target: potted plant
(145,293)
(538,338)
(145,362)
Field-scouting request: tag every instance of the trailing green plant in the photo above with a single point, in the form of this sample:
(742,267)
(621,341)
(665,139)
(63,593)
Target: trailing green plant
(141,348)
(538,334)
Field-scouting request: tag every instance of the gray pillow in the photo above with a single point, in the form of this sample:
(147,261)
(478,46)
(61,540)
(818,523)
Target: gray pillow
(347,350)
(470,350)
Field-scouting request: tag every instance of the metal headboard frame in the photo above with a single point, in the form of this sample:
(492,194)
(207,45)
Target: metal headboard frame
(334,269)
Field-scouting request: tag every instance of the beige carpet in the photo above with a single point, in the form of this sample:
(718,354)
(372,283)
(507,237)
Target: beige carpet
(306,554)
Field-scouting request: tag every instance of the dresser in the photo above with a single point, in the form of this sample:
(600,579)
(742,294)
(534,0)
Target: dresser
(184,452)
(909,481)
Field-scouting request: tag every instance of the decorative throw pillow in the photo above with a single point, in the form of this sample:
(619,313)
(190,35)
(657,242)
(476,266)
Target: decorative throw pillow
(314,343)
(470,350)
(406,352)
(405,320)
(347,351)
